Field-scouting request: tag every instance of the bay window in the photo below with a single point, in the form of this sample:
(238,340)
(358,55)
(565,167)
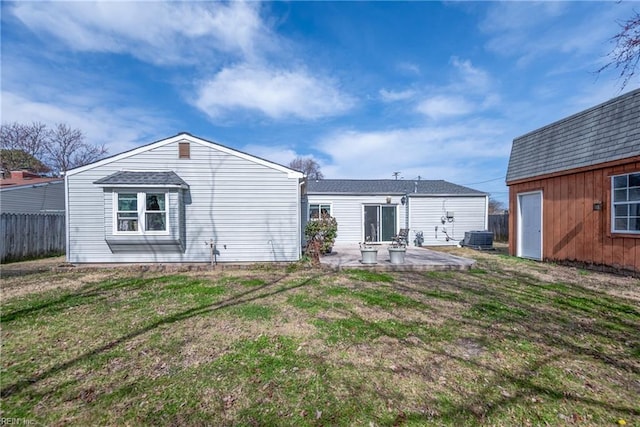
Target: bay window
(625,200)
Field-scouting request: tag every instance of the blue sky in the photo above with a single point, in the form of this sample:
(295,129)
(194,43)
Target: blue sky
(431,90)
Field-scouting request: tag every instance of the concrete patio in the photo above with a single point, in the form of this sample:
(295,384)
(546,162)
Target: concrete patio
(416,259)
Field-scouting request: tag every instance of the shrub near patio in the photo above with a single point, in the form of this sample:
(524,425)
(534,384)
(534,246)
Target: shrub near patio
(495,345)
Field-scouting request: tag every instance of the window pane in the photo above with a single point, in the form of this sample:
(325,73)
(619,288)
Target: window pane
(620,195)
(155,222)
(634,194)
(621,224)
(127,223)
(325,210)
(621,210)
(634,180)
(128,202)
(314,211)
(620,181)
(155,201)
(634,209)
(634,224)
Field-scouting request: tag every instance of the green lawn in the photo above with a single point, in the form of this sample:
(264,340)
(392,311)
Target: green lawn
(495,345)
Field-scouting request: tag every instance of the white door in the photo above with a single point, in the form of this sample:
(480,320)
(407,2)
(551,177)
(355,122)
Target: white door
(530,225)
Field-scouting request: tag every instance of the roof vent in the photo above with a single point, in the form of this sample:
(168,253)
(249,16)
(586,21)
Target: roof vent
(184,150)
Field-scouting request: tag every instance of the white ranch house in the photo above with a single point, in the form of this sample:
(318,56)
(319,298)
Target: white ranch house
(376,210)
(167,201)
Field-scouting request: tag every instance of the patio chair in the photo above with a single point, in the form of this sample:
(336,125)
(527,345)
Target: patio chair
(401,238)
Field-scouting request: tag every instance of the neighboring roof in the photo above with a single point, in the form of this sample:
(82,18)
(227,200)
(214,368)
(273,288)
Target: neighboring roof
(144,179)
(388,186)
(184,136)
(607,132)
(25,178)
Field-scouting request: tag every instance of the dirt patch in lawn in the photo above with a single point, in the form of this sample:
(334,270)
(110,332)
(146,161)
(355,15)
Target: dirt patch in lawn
(619,285)
(38,276)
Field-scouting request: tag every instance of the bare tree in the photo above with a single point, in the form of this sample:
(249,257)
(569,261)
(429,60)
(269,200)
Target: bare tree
(67,149)
(23,146)
(495,206)
(59,149)
(625,56)
(308,166)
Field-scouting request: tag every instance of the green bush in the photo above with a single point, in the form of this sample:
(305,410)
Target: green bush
(321,233)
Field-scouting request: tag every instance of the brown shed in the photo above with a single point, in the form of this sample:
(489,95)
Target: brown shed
(574,188)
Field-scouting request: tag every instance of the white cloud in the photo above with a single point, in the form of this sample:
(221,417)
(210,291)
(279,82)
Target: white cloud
(519,16)
(575,35)
(470,90)
(441,106)
(274,153)
(393,96)
(157,32)
(119,129)
(408,68)
(472,79)
(432,152)
(276,93)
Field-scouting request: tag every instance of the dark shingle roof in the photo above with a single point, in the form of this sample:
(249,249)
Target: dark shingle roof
(609,131)
(169,178)
(387,186)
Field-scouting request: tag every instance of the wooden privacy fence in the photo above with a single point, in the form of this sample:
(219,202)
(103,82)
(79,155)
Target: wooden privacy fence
(499,225)
(31,235)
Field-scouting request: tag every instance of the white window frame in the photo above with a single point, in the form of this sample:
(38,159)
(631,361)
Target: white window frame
(320,206)
(141,212)
(626,202)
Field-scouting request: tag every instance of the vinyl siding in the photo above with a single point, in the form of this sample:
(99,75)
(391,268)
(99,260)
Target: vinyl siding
(40,198)
(250,210)
(348,212)
(424,214)
(470,214)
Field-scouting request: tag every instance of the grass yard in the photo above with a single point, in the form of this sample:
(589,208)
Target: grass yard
(510,342)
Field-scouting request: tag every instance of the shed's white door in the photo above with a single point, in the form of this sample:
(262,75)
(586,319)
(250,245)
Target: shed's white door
(530,225)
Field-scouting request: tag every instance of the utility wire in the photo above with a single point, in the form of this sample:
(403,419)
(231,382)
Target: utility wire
(489,180)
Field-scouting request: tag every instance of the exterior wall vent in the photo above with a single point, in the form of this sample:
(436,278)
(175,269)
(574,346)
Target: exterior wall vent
(184,150)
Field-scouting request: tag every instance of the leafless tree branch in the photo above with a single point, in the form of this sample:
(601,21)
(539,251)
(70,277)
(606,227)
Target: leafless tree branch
(60,149)
(308,166)
(625,56)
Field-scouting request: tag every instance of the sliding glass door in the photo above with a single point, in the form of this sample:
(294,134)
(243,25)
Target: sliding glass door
(379,223)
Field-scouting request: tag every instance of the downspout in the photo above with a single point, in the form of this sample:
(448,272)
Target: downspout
(301,184)
(406,215)
(486,212)
(66,217)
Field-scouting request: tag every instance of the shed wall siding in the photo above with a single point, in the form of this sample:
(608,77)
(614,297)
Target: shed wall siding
(572,229)
(251,211)
(41,198)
